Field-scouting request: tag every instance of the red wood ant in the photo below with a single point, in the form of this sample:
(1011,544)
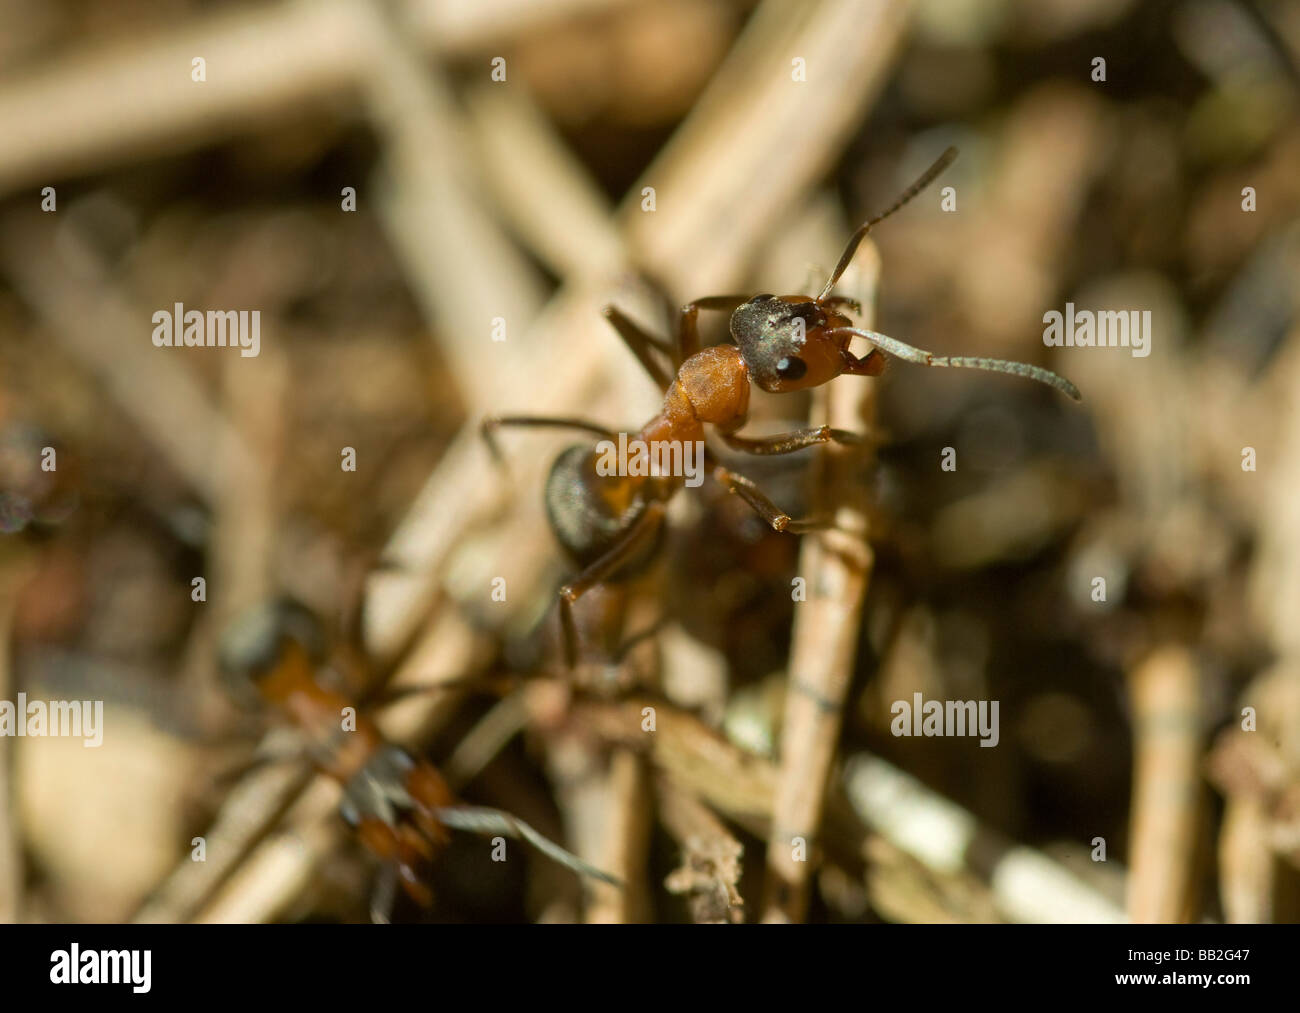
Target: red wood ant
(782,344)
(401,808)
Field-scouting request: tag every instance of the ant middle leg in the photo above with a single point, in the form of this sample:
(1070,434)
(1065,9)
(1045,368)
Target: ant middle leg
(788,443)
(631,542)
(761,504)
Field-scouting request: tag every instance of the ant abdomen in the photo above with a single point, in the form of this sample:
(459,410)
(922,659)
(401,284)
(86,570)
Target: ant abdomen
(590,513)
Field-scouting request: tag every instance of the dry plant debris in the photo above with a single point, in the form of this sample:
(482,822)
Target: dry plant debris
(430,204)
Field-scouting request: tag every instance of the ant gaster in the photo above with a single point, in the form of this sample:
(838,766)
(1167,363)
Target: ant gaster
(782,344)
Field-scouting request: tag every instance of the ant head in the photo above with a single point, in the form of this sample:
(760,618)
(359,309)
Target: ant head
(794,342)
(784,343)
(259,640)
(376,792)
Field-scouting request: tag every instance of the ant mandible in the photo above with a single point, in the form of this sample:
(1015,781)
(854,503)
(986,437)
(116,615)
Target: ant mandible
(782,344)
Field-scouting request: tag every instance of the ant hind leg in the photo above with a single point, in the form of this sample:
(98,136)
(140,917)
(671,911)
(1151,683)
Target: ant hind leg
(607,564)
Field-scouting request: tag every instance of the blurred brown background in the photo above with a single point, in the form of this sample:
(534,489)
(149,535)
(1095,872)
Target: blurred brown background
(521,200)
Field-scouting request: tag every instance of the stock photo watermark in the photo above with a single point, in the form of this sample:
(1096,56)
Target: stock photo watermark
(182,328)
(657,458)
(1101,329)
(946,718)
(77,719)
(75,966)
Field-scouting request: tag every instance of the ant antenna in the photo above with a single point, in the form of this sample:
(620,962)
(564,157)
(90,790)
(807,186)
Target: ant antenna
(909,353)
(855,240)
(485,820)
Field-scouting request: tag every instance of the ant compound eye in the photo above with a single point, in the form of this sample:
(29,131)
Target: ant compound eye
(791,369)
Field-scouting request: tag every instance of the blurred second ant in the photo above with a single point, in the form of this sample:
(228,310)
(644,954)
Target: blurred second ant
(401,807)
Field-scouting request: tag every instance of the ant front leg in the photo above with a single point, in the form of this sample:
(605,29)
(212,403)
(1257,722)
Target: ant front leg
(641,341)
(762,505)
(871,364)
(604,567)
(688,328)
(788,443)
(414,886)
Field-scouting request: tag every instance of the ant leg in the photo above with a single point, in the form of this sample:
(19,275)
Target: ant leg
(260,760)
(488,427)
(614,557)
(871,364)
(414,886)
(764,507)
(843,300)
(625,648)
(488,684)
(384,895)
(688,329)
(788,443)
(640,342)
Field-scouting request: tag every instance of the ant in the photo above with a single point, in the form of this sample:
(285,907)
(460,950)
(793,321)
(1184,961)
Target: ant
(401,808)
(782,344)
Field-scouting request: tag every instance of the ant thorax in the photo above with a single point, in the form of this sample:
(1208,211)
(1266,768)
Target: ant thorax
(711,387)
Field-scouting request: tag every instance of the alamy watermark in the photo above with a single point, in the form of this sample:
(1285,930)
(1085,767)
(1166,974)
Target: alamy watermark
(1102,329)
(75,966)
(83,719)
(660,458)
(179,327)
(949,718)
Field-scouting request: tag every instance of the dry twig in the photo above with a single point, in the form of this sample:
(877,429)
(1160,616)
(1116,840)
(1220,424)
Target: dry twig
(1166,787)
